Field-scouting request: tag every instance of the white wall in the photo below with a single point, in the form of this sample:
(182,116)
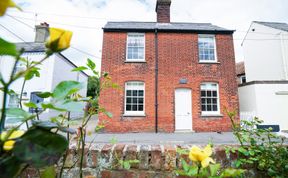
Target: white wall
(42,83)
(62,70)
(54,70)
(265,53)
(262,100)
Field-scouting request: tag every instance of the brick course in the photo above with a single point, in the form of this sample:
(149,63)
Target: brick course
(178,59)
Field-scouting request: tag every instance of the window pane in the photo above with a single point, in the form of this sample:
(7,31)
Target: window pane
(215,108)
(140,100)
(203,101)
(203,107)
(214,100)
(209,108)
(134,92)
(209,93)
(128,107)
(129,100)
(208,101)
(140,108)
(134,100)
(128,93)
(215,93)
(140,92)
(203,93)
(134,108)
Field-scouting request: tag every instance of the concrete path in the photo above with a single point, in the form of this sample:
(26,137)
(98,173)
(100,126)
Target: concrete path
(165,138)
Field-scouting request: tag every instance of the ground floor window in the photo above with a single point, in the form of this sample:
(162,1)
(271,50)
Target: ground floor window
(134,98)
(13,100)
(209,98)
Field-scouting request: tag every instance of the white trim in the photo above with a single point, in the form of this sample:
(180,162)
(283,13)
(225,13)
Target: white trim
(135,60)
(211,113)
(215,49)
(134,87)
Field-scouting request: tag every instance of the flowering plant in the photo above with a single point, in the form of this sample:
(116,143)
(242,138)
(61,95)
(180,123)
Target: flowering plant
(199,164)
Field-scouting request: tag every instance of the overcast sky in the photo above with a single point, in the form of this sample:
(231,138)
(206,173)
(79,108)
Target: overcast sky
(87,17)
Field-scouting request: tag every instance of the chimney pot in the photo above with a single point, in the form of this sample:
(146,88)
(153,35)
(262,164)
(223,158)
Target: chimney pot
(42,32)
(163,11)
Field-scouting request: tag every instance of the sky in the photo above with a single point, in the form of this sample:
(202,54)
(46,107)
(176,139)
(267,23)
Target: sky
(87,17)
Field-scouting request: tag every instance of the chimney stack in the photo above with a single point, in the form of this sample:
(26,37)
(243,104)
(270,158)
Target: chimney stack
(42,32)
(163,11)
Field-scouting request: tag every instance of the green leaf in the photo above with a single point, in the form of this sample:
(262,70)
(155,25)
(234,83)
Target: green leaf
(81,68)
(109,114)
(31,73)
(126,165)
(193,170)
(44,94)
(51,106)
(10,166)
(7,48)
(49,172)
(51,125)
(214,168)
(31,105)
(66,88)
(230,172)
(91,64)
(40,148)
(185,165)
(17,114)
(72,106)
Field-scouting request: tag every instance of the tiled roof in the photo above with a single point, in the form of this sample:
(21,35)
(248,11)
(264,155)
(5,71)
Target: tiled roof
(150,26)
(31,47)
(240,68)
(276,25)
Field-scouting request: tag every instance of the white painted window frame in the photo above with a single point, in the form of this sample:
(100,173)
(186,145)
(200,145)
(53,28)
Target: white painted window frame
(210,113)
(215,48)
(135,60)
(134,87)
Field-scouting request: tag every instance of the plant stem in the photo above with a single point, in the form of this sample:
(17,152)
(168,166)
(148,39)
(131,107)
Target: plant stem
(21,98)
(3,113)
(82,138)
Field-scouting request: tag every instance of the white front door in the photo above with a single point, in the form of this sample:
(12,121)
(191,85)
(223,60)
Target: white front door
(183,110)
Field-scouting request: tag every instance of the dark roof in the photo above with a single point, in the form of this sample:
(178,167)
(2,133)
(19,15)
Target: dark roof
(168,27)
(31,47)
(240,68)
(276,25)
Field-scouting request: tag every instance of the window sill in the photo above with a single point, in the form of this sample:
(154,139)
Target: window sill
(134,115)
(211,115)
(135,62)
(205,62)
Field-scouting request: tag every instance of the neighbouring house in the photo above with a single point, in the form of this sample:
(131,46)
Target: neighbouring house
(265,94)
(173,76)
(240,72)
(55,69)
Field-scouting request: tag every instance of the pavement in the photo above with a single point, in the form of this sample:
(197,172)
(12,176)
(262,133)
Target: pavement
(202,138)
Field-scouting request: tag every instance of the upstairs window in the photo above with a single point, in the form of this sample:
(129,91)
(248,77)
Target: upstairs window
(209,98)
(207,48)
(135,51)
(134,98)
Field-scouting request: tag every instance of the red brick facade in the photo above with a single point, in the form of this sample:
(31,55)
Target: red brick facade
(178,58)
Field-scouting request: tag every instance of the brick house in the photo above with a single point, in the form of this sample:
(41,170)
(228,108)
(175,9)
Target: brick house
(173,76)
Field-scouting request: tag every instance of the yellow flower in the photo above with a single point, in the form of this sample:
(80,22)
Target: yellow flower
(59,39)
(14,135)
(203,156)
(8,145)
(4,4)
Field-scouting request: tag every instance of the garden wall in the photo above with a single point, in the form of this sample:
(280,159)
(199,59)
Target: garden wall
(155,161)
